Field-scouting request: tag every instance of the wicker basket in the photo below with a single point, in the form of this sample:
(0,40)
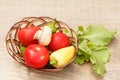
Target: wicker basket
(13,45)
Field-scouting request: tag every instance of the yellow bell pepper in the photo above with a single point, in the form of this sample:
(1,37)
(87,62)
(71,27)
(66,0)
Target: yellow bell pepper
(61,57)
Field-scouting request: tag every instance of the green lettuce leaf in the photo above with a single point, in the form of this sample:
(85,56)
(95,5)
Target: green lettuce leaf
(83,53)
(98,35)
(93,47)
(80,59)
(98,58)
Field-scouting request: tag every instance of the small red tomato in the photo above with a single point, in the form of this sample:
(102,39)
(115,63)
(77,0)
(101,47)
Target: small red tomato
(36,56)
(59,40)
(25,35)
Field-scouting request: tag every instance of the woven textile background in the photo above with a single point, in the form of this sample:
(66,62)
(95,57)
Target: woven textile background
(72,12)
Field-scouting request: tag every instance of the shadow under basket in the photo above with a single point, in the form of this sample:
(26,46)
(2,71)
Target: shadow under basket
(13,45)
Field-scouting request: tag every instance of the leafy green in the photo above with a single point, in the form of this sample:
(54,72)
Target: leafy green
(83,53)
(98,35)
(92,47)
(52,25)
(80,59)
(98,58)
(22,49)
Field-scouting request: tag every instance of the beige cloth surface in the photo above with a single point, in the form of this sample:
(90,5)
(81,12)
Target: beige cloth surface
(72,12)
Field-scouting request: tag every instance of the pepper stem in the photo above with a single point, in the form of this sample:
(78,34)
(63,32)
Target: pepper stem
(54,22)
(53,61)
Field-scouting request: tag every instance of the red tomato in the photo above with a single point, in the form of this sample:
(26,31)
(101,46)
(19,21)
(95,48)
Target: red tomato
(59,40)
(36,56)
(25,35)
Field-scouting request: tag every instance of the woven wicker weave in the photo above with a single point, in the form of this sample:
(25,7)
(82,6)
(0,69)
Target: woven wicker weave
(13,45)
